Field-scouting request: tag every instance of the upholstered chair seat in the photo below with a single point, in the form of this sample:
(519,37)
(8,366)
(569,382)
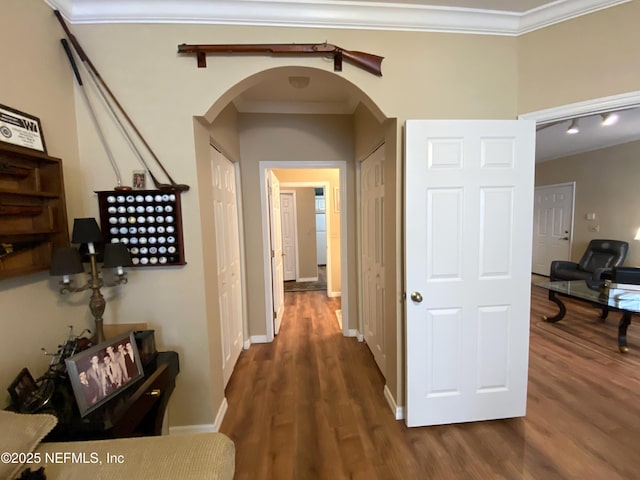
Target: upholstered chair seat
(597,262)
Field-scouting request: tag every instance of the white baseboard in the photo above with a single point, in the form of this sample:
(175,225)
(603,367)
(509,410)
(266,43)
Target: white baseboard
(204,428)
(307,279)
(360,336)
(259,339)
(352,332)
(398,412)
(246,344)
(334,294)
(221,413)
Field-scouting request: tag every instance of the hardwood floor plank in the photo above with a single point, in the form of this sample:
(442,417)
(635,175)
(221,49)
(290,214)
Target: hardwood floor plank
(311,406)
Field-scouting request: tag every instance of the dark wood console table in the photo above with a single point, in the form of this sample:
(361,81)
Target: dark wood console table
(138,411)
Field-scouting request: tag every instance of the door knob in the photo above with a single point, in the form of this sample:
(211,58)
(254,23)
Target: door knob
(416,297)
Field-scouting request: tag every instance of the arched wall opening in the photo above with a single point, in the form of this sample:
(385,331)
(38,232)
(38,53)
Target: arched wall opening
(343,126)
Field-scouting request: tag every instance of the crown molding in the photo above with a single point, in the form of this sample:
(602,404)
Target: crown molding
(328,14)
(622,101)
(561,11)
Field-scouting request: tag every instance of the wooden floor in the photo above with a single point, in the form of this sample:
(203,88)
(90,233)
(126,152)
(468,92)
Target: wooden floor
(310,406)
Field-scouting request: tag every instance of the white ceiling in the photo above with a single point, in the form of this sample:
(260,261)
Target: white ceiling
(554,142)
(328,93)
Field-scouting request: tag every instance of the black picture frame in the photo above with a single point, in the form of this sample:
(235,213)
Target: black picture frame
(93,385)
(21,129)
(22,388)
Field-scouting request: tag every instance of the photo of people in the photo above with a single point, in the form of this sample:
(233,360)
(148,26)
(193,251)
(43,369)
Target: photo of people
(102,372)
(139,180)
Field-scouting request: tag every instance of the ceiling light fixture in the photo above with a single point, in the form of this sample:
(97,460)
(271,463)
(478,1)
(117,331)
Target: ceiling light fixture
(573,128)
(609,119)
(299,82)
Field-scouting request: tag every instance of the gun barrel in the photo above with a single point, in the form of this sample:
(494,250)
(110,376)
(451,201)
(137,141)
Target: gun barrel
(274,48)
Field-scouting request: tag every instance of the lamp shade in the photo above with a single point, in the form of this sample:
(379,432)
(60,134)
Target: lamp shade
(116,255)
(86,230)
(65,261)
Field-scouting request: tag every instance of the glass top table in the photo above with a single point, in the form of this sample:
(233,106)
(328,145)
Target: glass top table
(617,299)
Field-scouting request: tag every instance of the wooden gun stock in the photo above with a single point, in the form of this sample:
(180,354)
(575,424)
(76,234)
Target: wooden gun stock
(366,61)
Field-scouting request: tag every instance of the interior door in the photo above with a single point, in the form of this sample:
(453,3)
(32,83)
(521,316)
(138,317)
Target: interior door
(552,226)
(277,265)
(468,211)
(225,213)
(373,272)
(288,211)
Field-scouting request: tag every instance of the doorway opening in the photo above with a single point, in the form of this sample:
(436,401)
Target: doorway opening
(306,235)
(330,176)
(551,116)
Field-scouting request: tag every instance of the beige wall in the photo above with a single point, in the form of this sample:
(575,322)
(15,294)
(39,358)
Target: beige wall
(224,133)
(607,185)
(426,75)
(581,59)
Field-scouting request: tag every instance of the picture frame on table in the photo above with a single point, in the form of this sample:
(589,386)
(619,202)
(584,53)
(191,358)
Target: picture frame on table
(104,371)
(22,388)
(21,129)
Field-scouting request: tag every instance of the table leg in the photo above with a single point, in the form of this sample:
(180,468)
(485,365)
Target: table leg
(605,312)
(560,315)
(622,332)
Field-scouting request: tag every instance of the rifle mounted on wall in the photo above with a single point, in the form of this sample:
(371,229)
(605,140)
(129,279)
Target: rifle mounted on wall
(367,61)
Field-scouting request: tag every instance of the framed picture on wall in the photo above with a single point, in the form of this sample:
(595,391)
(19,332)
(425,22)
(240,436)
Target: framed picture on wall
(139,181)
(102,372)
(22,129)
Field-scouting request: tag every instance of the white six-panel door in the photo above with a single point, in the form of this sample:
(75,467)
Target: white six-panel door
(225,213)
(469,208)
(552,226)
(277,265)
(373,272)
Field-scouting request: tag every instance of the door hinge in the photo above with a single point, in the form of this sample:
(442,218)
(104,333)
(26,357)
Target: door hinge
(273,253)
(275,315)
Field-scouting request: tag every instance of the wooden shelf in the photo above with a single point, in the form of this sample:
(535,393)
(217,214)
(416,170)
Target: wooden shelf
(33,213)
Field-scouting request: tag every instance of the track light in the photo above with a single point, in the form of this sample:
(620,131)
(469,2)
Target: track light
(573,128)
(609,119)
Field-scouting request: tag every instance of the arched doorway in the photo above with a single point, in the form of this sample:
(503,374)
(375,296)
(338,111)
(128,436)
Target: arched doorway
(269,117)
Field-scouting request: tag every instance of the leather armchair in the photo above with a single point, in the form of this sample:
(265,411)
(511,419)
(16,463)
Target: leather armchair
(597,262)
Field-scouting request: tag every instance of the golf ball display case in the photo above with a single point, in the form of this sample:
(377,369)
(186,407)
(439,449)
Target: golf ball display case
(148,222)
